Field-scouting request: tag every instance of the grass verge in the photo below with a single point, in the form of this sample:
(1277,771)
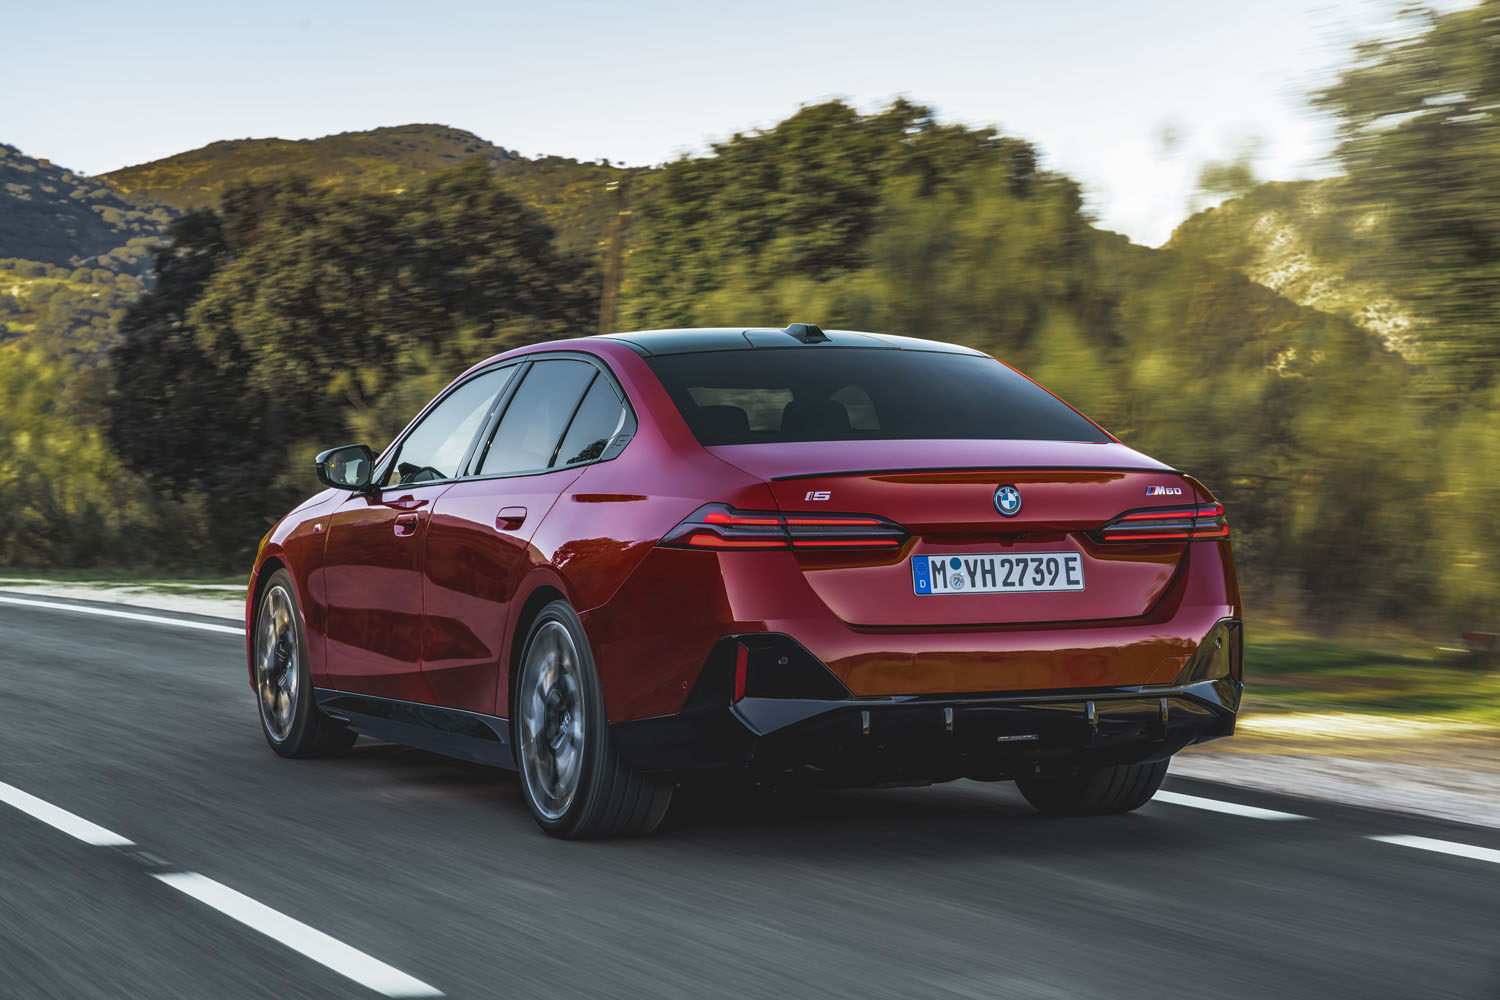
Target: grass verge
(1300,674)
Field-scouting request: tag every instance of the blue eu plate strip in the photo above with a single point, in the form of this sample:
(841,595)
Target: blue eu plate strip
(920,575)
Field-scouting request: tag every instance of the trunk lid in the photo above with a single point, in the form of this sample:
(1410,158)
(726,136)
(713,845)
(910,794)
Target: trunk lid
(944,493)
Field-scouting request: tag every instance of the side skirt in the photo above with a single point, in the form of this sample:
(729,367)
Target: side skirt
(483,739)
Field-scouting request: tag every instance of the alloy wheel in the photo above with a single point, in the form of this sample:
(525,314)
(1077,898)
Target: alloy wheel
(551,720)
(277,662)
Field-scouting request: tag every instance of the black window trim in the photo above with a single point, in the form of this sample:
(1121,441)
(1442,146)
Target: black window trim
(482,441)
(568,425)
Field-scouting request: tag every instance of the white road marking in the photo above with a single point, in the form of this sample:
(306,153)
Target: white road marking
(1443,847)
(299,937)
(61,819)
(1214,805)
(129,615)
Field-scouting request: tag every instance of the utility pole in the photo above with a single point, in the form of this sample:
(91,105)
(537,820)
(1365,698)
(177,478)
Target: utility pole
(613,252)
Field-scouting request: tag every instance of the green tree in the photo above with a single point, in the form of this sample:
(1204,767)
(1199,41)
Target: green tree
(1419,126)
(297,317)
(799,200)
(68,500)
(190,426)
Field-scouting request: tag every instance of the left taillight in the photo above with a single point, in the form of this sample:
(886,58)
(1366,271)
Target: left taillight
(720,527)
(1166,524)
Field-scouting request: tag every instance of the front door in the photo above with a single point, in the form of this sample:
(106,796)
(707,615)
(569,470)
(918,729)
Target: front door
(376,544)
(373,574)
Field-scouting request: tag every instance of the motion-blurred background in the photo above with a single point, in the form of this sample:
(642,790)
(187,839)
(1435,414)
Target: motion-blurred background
(179,336)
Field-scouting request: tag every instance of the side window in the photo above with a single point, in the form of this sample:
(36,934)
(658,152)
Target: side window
(597,420)
(436,446)
(532,428)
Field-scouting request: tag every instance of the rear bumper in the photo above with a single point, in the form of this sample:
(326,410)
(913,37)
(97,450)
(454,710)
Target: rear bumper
(930,737)
(652,638)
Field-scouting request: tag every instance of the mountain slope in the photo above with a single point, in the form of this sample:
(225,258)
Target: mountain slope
(59,217)
(379,158)
(571,196)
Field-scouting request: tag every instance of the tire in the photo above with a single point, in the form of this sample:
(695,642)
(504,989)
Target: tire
(289,716)
(575,785)
(1113,788)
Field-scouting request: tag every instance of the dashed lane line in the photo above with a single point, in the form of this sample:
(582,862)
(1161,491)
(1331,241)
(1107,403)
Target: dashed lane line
(1442,847)
(60,819)
(294,934)
(134,616)
(299,937)
(1215,805)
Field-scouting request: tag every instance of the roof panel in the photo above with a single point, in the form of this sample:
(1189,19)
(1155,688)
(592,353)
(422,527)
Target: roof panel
(695,341)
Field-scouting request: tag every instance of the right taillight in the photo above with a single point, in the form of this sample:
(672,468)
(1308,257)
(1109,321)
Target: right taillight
(1166,524)
(720,527)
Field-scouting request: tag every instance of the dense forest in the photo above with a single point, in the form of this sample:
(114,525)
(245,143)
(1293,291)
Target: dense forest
(1325,355)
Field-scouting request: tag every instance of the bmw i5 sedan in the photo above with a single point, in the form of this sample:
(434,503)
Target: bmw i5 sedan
(622,564)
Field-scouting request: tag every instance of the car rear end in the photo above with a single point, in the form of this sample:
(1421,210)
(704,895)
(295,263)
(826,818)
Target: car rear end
(951,573)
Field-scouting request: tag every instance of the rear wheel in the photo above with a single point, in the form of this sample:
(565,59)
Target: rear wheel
(290,719)
(1113,788)
(575,783)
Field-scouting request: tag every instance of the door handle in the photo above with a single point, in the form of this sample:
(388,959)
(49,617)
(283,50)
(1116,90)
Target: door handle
(510,518)
(406,525)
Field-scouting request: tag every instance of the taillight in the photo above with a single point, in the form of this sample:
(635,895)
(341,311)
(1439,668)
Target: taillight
(1167,524)
(721,527)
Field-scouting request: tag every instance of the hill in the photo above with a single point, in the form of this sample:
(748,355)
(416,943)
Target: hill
(67,311)
(1297,239)
(66,219)
(381,158)
(571,195)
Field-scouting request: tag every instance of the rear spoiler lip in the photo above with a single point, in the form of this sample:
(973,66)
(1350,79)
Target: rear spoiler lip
(1157,470)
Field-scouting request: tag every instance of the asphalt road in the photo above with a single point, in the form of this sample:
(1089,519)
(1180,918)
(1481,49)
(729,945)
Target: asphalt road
(435,869)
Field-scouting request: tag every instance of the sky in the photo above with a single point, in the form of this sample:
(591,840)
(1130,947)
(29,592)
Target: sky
(1097,85)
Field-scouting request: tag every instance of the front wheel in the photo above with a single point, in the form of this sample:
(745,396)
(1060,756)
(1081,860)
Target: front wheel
(1113,788)
(575,783)
(292,724)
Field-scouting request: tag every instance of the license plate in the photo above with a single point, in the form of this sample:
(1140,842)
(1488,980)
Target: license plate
(999,573)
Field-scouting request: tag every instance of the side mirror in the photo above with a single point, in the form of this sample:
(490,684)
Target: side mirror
(346,468)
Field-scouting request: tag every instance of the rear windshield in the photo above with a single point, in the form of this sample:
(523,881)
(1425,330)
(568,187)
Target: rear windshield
(841,394)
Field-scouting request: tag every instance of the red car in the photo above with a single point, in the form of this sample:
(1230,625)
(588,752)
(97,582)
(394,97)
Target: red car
(619,563)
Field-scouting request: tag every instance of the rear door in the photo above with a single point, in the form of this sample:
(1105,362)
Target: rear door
(374,554)
(560,418)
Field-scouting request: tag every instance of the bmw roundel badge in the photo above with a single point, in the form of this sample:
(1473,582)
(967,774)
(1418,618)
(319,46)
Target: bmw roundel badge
(1008,501)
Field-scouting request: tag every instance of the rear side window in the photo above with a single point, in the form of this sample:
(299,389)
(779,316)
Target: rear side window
(598,418)
(532,428)
(838,394)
